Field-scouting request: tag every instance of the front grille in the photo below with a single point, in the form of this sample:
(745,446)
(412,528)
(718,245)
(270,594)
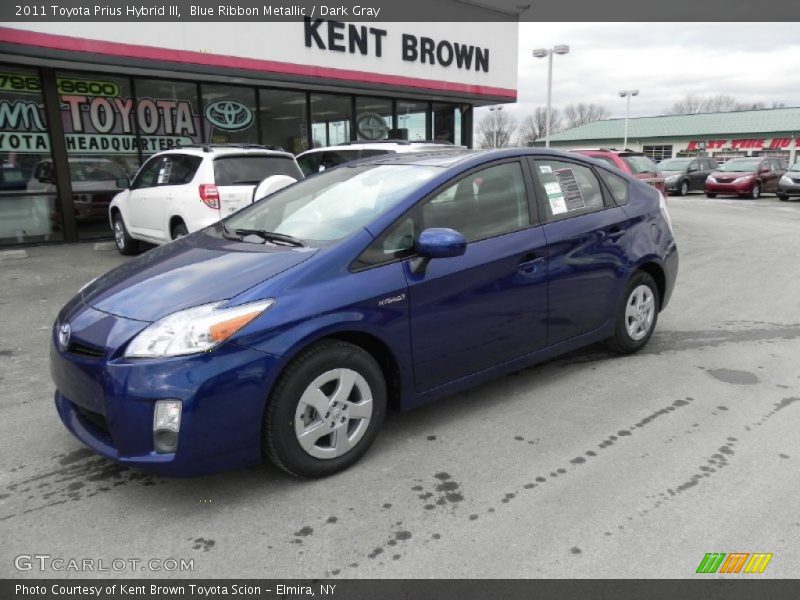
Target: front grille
(95,420)
(795,180)
(86,350)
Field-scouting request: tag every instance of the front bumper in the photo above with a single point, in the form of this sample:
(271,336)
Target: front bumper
(791,189)
(108,402)
(730,188)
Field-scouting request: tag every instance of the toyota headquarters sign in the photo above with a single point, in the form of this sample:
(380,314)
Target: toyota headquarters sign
(133,89)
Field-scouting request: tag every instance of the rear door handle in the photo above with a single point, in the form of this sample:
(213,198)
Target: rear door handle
(531,263)
(614,232)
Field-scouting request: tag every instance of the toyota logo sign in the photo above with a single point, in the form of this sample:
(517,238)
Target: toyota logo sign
(64,333)
(229,115)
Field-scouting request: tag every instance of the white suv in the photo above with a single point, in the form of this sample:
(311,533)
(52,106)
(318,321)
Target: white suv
(319,159)
(180,191)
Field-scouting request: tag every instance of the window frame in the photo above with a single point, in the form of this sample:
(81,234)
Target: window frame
(415,212)
(608,199)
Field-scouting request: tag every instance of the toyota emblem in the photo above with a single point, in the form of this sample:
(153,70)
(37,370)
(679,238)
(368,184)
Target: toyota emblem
(64,333)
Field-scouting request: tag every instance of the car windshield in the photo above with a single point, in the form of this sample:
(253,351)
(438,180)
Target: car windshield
(741,166)
(674,164)
(795,167)
(95,171)
(332,205)
(639,164)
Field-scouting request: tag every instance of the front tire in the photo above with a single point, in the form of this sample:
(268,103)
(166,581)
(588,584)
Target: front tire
(683,190)
(126,245)
(325,411)
(711,195)
(637,314)
(755,193)
(783,197)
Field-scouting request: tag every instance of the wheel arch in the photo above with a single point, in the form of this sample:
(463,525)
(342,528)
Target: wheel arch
(656,271)
(173,222)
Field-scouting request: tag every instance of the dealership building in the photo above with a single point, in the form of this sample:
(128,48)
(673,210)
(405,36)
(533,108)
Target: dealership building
(83,105)
(769,132)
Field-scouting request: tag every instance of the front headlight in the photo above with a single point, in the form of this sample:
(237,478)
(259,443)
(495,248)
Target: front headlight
(672,178)
(194,330)
(710,179)
(744,179)
(786,179)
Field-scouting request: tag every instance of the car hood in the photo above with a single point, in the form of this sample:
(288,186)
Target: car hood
(666,174)
(191,271)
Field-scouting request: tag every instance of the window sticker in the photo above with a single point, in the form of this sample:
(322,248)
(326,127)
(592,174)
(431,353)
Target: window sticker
(570,188)
(555,197)
(164,173)
(545,169)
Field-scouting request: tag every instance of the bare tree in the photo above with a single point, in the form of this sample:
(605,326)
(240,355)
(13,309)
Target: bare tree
(582,113)
(692,105)
(534,126)
(496,129)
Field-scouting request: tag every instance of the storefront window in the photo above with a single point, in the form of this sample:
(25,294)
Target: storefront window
(230,114)
(447,123)
(167,114)
(373,118)
(28,205)
(283,119)
(97,112)
(412,120)
(330,119)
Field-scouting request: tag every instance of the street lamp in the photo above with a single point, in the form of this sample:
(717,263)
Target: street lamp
(627,94)
(494,125)
(541,53)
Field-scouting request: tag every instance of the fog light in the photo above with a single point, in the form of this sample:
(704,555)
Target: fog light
(166,425)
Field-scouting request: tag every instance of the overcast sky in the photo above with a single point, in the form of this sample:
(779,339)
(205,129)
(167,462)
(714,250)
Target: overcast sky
(754,62)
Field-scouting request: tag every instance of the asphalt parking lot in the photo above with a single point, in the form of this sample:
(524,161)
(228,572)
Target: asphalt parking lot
(586,466)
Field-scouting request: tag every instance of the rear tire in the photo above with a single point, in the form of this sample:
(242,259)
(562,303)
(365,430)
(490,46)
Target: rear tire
(637,314)
(126,245)
(325,410)
(179,230)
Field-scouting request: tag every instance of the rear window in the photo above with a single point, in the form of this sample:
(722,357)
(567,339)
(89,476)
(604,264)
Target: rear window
(639,164)
(251,170)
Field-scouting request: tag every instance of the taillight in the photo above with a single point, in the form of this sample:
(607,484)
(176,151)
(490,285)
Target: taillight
(209,195)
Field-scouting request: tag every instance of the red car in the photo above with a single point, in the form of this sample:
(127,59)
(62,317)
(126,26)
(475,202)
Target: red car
(745,177)
(628,161)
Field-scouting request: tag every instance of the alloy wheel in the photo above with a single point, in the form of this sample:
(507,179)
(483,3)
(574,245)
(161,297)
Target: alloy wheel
(333,413)
(639,312)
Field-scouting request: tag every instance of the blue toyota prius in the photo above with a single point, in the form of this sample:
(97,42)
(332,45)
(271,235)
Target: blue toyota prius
(286,329)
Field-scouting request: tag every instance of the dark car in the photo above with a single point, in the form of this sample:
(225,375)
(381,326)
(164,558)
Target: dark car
(745,177)
(789,184)
(628,161)
(284,330)
(684,175)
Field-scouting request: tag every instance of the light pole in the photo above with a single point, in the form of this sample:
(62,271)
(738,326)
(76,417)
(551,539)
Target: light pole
(495,124)
(627,94)
(548,52)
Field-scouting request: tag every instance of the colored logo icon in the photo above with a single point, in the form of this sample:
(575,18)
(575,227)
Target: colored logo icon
(734,562)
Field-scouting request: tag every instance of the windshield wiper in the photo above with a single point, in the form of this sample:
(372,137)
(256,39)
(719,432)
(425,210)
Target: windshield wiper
(270,236)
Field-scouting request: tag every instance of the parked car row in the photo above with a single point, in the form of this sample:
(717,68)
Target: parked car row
(746,177)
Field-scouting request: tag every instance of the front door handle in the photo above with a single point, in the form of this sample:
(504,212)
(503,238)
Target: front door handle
(531,263)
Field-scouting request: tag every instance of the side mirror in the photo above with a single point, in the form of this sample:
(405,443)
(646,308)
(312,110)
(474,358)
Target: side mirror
(123,183)
(437,242)
(765,170)
(441,243)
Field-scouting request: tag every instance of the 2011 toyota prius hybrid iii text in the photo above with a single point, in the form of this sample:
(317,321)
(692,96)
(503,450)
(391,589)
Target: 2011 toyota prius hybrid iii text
(285,330)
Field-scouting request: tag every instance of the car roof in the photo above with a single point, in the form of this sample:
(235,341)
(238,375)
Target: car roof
(212,151)
(457,156)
